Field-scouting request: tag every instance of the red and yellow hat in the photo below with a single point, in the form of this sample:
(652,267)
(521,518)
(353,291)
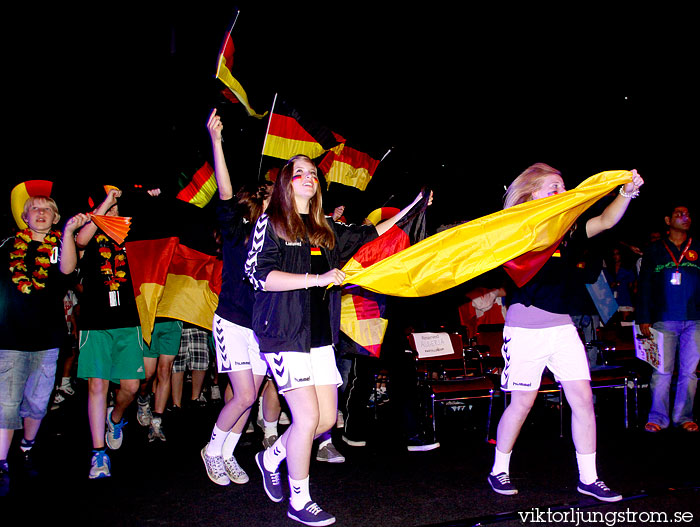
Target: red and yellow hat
(381,214)
(22,192)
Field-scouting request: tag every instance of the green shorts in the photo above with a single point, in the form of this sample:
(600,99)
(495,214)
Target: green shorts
(112,354)
(165,339)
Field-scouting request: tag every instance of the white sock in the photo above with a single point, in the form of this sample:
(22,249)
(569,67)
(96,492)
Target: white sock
(269,428)
(230,444)
(587,472)
(273,456)
(65,382)
(216,441)
(324,442)
(501,463)
(299,492)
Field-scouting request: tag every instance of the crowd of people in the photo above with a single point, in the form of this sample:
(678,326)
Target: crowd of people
(275,338)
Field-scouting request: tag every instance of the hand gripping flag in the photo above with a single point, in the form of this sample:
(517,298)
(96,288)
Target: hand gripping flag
(362,311)
(456,255)
(223,72)
(174,281)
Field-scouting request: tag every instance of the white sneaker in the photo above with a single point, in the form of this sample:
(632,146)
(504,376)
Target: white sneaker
(215,468)
(113,433)
(215,393)
(234,471)
(100,466)
(143,412)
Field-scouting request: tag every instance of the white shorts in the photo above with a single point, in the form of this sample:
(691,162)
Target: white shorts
(528,351)
(293,369)
(236,348)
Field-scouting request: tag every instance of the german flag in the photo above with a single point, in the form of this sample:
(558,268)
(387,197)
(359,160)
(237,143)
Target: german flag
(223,72)
(290,133)
(348,166)
(174,281)
(362,311)
(456,255)
(201,188)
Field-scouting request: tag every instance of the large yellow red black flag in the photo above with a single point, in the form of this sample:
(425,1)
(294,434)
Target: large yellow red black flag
(456,255)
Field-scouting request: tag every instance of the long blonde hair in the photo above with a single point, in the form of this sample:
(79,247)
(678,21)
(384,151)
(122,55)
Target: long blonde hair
(523,186)
(284,216)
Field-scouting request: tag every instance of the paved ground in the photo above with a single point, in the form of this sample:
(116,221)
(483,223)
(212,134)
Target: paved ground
(381,484)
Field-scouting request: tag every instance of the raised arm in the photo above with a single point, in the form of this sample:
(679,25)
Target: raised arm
(69,253)
(223,179)
(613,213)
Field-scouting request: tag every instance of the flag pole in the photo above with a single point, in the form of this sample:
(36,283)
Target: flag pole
(267,131)
(223,45)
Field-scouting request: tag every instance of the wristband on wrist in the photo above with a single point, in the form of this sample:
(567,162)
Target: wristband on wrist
(630,195)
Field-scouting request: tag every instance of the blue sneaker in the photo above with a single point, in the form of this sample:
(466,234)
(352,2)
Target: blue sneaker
(598,490)
(311,514)
(113,434)
(272,482)
(100,465)
(501,483)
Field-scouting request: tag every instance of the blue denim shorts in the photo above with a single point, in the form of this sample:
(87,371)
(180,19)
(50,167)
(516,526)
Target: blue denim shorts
(26,382)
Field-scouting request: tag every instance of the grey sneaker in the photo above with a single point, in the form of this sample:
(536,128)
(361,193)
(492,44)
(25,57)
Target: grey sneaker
(215,468)
(598,490)
(234,471)
(143,412)
(311,514)
(113,434)
(268,441)
(100,465)
(156,430)
(329,454)
(501,483)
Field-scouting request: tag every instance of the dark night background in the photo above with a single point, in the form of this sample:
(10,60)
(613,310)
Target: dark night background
(467,97)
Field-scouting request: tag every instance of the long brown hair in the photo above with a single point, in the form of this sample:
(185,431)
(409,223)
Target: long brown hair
(284,216)
(522,187)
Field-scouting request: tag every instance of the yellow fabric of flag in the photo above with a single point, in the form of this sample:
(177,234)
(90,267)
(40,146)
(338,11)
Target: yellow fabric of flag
(461,253)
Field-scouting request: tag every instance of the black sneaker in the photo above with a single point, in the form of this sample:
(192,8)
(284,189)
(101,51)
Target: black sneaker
(416,444)
(598,490)
(311,514)
(272,482)
(501,483)
(4,480)
(28,465)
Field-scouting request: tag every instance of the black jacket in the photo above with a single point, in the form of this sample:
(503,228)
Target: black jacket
(282,320)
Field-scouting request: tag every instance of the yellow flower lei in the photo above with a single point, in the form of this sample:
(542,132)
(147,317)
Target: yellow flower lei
(113,276)
(42,262)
